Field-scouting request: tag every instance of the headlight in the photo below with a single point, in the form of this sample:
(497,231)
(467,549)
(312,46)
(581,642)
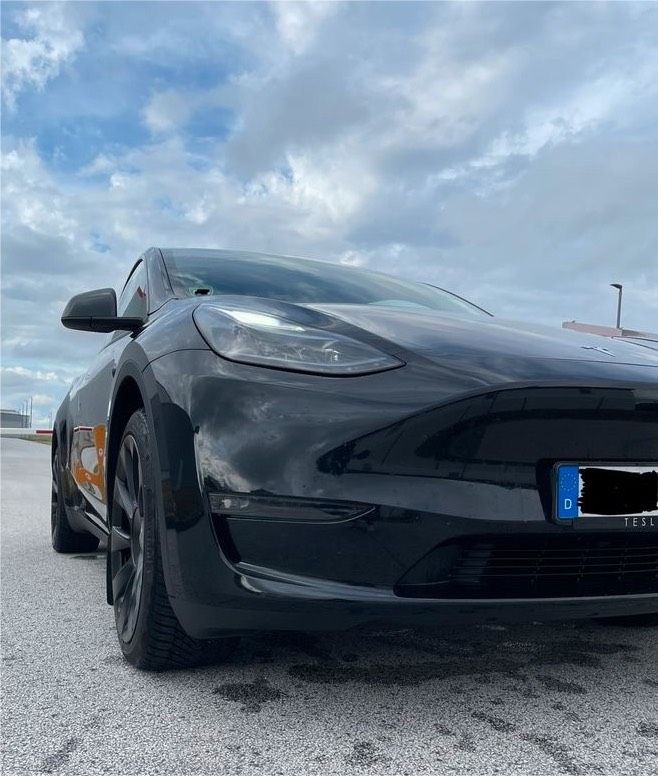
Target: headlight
(251,337)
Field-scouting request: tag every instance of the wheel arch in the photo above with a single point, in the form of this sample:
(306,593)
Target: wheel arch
(60,429)
(54,443)
(61,444)
(179,496)
(134,389)
(127,399)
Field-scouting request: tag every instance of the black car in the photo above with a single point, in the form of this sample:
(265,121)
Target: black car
(267,443)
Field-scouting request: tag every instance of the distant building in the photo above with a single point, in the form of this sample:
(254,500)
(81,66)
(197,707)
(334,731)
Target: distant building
(13,419)
(610,331)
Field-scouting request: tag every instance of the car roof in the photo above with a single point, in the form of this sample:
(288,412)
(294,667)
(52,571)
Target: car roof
(219,252)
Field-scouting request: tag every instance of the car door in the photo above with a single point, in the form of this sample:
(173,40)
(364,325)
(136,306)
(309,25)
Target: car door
(90,399)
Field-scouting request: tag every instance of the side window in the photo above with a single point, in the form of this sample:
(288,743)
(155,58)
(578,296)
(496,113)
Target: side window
(132,302)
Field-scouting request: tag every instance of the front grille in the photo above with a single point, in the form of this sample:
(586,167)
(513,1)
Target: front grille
(536,566)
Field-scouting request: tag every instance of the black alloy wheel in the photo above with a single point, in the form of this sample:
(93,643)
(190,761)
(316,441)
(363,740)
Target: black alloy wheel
(127,538)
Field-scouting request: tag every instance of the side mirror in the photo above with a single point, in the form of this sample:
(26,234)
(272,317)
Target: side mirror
(97,311)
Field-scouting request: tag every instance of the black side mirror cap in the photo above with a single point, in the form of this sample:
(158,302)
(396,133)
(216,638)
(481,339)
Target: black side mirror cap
(97,311)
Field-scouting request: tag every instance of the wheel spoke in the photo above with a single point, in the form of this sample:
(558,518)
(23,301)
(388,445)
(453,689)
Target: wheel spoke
(123,497)
(137,471)
(123,464)
(126,539)
(122,580)
(129,611)
(130,483)
(122,616)
(132,469)
(120,539)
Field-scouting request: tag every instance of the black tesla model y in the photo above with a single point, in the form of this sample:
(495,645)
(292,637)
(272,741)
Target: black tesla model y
(266,443)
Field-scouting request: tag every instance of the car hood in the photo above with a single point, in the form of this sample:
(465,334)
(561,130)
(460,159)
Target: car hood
(511,348)
(640,342)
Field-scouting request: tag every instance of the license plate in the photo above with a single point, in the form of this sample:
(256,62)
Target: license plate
(592,490)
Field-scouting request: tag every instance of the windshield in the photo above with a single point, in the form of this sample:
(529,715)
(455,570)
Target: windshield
(301,281)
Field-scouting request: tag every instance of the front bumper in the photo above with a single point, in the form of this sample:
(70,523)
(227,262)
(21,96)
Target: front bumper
(432,471)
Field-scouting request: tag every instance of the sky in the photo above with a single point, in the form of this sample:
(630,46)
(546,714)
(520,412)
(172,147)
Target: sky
(508,152)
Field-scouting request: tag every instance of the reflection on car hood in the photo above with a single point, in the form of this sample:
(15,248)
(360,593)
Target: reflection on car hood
(444,336)
(641,342)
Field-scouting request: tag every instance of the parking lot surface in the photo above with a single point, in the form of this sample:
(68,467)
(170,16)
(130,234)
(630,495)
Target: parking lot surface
(567,699)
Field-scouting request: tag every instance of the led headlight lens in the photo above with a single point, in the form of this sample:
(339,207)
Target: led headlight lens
(251,337)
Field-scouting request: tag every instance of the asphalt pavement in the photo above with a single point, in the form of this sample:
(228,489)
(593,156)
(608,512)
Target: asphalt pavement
(568,699)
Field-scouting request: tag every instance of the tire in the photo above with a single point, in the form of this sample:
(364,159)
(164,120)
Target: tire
(63,537)
(150,636)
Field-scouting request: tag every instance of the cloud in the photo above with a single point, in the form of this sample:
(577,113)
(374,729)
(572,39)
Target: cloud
(19,385)
(168,110)
(38,375)
(298,23)
(31,62)
(505,151)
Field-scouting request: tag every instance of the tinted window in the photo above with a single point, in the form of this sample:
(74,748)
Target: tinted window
(302,281)
(132,302)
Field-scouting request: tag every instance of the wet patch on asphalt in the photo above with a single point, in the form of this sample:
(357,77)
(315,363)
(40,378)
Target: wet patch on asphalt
(252,695)
(466,743)
(59,758)
(560,685)
(443,729)
(385,674)
(465,658)
(10,654)
(569,713)
(498,724)
(648,729)
(365,754)
(559,753)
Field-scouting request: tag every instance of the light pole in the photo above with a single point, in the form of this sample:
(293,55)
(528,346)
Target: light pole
(619,287)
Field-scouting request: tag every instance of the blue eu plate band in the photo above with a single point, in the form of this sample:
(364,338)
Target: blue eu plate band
(568,481)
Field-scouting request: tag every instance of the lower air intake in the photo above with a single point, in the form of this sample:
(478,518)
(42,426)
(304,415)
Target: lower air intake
(536,566)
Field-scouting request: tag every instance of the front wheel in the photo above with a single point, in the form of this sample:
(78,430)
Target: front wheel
(149,633)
